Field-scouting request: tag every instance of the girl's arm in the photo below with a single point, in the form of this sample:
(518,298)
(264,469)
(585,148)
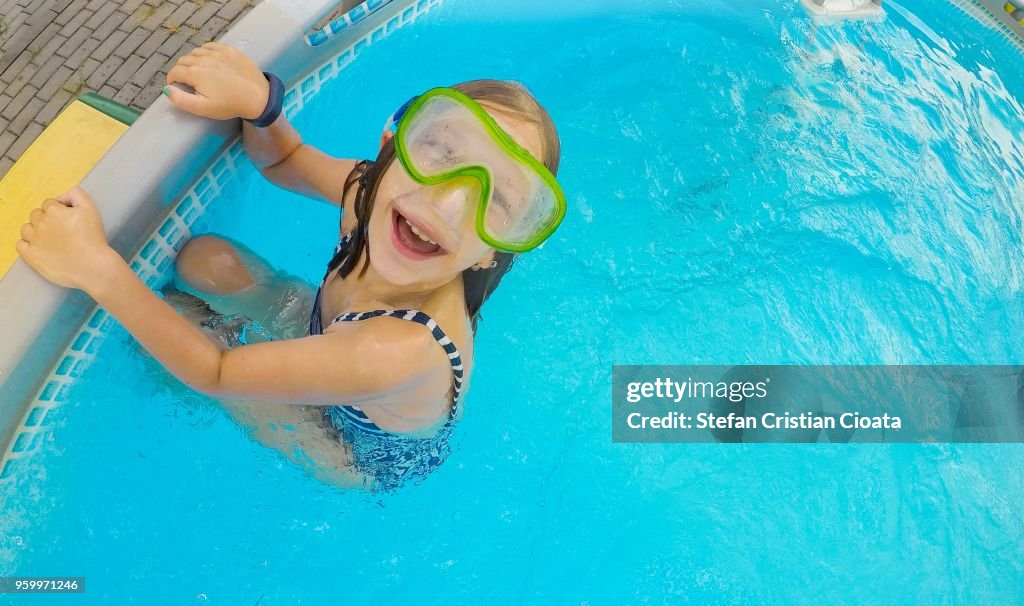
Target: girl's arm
(65,242)
(342,366)
(227,85)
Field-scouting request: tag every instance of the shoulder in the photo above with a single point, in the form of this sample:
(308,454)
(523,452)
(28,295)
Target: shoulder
(388,345)
(448,309)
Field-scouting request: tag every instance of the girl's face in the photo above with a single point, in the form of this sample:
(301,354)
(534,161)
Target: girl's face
(446,214)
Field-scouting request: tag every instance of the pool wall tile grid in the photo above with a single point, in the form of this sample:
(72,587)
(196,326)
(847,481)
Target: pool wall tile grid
(345,21)
(981,12)
(155,261)
(308,88)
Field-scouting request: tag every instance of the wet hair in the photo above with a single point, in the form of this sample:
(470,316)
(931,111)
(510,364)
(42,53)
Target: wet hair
(514,100)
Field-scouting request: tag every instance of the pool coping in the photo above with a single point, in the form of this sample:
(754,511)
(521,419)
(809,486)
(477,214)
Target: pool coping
(51,333)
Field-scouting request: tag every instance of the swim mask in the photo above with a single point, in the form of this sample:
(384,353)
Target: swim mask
(443,135)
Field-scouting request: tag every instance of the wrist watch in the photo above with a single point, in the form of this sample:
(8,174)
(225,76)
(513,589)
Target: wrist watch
(274,103)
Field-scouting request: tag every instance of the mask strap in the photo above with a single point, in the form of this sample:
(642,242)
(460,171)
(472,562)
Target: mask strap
(392,123)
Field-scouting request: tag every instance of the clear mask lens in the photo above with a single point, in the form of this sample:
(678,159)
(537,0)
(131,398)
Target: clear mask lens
(444,136)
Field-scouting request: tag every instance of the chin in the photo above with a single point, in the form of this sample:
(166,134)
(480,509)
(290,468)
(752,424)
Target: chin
(393,267)
(404,267)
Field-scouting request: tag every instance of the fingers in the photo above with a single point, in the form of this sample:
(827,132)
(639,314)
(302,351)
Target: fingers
(22,247)
(182,73)
(28,232)
(48,203)
(38,214)
(217,46)
(75,196)
(188,61)
(195,104)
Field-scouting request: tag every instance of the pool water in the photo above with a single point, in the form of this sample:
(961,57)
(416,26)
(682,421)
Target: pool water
(743,187)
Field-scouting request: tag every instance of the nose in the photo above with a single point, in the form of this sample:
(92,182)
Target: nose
(455,199)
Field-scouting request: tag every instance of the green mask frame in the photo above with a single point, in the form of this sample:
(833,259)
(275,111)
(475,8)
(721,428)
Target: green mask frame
(546,223)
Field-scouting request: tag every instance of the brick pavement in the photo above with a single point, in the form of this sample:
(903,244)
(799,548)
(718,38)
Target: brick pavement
(53,50)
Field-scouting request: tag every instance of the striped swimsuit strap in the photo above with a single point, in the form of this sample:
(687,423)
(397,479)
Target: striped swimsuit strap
(419,317)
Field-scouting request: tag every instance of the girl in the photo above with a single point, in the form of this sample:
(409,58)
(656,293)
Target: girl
(365,387)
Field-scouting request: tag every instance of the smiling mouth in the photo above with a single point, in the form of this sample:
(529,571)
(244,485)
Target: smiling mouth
(410,240)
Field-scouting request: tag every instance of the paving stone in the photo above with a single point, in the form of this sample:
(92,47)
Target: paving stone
(18,102)
(50,44)
(74,85)
(127,69)
(19,81)
(109,26)
(152,43)
(71,44)
(60,5)
(146,97)
(107,91)
(203,14)
(152,65)
(41,75)
(180,14)
(50,47)
(176,43)
(129,6)
(103,13)
(54,106)
(57,80)
(140,14)
(108,45)
(209,31)
(28,112)
(121,49)
(42,15)
(131,43)
(25,139)
(127,94)
(232,8)
(15,68)
(99,77)
(36,23)
(84,50)
(7,138)
(86,69)
(13,23)
(157,17)
(44,36)
(75,24)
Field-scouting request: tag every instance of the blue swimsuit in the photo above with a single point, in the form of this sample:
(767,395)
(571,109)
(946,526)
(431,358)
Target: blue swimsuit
(389,459)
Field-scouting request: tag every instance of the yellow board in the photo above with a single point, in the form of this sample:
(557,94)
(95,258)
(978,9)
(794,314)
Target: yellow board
(58,160)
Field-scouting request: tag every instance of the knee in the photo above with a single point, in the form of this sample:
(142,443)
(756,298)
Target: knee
(213,265)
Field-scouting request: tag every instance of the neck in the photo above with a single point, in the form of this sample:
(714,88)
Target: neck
(371,287)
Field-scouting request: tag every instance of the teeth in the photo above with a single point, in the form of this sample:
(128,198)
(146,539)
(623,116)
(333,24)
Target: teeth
(420,234)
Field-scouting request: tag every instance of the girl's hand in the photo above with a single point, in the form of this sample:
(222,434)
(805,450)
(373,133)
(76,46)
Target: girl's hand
(227,84)
(64,241)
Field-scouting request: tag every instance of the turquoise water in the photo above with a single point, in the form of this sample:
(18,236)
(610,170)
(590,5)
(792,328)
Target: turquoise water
(743,188)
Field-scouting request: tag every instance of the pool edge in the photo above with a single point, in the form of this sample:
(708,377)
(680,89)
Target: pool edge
(187,156)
